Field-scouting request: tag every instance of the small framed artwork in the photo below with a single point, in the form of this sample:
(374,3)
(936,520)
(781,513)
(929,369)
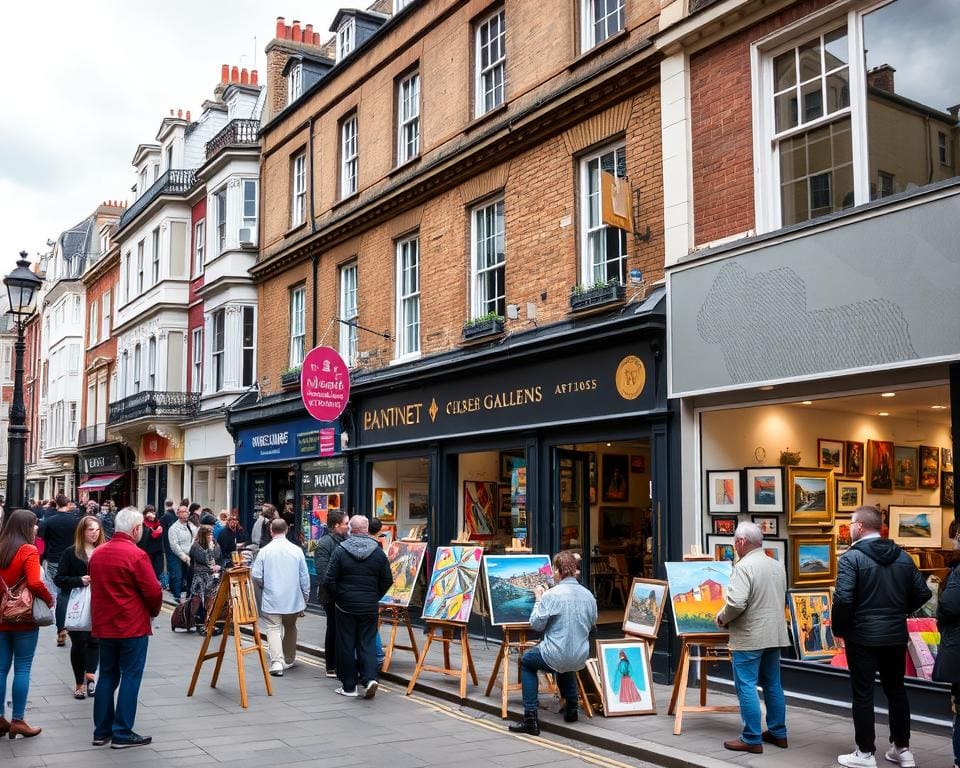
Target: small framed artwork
(880,466)
(830,454)
(385,504)
(415,499)
(946,489)
(904,468)
(853,458)
(849,496)
(725,524)
(626,679)
(810,496)
(946,458)
(614,475)
(721,548)
(638,465)
(509,461)
(813,560)
(769,525)
(929,467)
(812,623)
(723,491)
(645,608)
(916,526)
(842,531)
(764,489)
(777,549)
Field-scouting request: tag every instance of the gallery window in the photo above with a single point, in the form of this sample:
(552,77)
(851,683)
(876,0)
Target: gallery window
(490,60)
(408,297)
(488,260)
(603,247)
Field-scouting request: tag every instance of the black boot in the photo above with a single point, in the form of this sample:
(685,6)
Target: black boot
(529,725)
(570,714)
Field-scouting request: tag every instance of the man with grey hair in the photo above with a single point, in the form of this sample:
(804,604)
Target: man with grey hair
(124,596)
(357,577)
(753,615)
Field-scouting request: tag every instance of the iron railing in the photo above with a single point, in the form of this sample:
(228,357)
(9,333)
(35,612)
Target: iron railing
(96,433)
(154,403)
(176,181)
(233,133)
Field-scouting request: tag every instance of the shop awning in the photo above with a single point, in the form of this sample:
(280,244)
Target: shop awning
(99,482)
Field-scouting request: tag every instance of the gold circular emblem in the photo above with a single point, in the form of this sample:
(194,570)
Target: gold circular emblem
(631,376)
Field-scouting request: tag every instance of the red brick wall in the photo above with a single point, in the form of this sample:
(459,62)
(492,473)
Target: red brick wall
(96,289)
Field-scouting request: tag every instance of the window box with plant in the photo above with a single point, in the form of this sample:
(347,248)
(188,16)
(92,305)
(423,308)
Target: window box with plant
(290,378)
(489,324)
(596,295)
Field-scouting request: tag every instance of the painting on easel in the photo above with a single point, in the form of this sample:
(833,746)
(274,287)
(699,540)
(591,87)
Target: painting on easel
(453,584)
(511,580)
(406,560)
(697,593)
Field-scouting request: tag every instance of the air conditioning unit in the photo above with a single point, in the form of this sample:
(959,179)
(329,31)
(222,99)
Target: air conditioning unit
(248,235)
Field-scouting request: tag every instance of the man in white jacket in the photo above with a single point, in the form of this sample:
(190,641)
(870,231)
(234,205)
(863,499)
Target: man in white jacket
(280,570)
(180,536)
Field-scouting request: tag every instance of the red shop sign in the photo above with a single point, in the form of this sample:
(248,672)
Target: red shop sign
(324,384)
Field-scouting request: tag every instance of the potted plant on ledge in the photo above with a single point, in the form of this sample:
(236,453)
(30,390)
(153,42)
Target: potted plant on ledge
(597,294)
(290,378)
(489,324)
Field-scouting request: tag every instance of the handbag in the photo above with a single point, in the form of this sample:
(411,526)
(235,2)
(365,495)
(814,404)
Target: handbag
(78,610)
(42,613)
(16,603)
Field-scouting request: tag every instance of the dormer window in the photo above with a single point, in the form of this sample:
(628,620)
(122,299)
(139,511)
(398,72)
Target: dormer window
(169,156)
(295,83)
(399,5)
(346,35)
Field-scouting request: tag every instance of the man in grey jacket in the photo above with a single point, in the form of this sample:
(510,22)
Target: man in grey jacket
(753,614)
(180,535)
(565,614)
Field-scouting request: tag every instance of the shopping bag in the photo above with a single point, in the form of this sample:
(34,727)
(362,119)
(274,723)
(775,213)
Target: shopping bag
(78,610)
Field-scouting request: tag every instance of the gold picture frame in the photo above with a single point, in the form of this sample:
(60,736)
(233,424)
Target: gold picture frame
(813,560)
(810,499)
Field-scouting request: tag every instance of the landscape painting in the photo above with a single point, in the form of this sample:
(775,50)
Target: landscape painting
(905,468)
(812,624)
(453,584)
(697,593)
(626,679)
(916,526)
(480,508)
(813,559)
(811,496)
(406,560)
(511,580)
(849,495)
(645,607)
(830,454)
(765,489)
(721,547)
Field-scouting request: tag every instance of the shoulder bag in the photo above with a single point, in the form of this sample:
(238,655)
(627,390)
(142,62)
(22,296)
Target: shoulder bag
(16,603)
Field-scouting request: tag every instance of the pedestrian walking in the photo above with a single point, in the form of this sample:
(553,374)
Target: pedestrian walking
(73,573)
(565,615)
(124,596)
(57,530)
(753,615)
(337,528)
(357,577)
(106,514)
(205,566)
(946,668)
(151,540)
(878,586)
(280,571)
(181,536)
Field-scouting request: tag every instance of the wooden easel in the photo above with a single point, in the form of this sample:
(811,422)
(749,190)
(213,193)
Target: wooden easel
(514,641)
(236,607)
(396,616)
(713,650)
(448,633)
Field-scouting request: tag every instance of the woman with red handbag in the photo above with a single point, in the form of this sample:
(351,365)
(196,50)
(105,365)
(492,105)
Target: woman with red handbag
(22,581)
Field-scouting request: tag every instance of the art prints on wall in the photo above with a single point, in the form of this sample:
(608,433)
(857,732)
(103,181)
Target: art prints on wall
(813,559)
(946,459)
(916,526)
(510,581)
(769,525)
(723,491)
(645,608)
(697,593)
(844,540)
(853,458)
(946,489)
(385,504)
(638,465)
(904,468)
(725,525)
(880,466)
(810,496)
(929,467)
(453,583)
(406,560)
(509,461)
(721,548)
(626,679)
(415,499)
(614,475)
(849,496)
(810,611)
(480,508)
(777,549)
(830,454)
(764,489)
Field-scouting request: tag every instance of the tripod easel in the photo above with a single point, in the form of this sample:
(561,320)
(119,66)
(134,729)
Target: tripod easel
(713,650)
(396,616)
(448,633)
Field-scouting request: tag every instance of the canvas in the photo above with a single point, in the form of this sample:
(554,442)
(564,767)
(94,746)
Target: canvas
(453,584)
(627,683)
(480,508)
(849,495)
(406,560)
(810,496)
(880,466)
(764,489)
(415,499)
(769,526)
(510,581)
(812,624)
(905,468)
(721,547)
(929,468)
(916,526)
(615,477)
(813,559)
(830,454)
(645,607)
(723,491)
(697,593)
(385,504)
(853,459)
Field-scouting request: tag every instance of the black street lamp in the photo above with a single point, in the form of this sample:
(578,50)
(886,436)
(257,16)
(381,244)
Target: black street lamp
(22,286)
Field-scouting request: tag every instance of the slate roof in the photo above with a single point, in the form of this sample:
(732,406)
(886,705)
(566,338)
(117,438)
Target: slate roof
(76,244)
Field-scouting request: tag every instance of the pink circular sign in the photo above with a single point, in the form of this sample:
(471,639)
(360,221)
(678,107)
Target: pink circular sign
(324,383)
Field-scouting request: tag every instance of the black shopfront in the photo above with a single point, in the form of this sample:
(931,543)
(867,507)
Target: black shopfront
(107,474)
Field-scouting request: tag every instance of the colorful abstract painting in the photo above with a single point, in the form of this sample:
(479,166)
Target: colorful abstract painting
(812,624)
(480,508)
(511,580)
(406,560)
(697,593)
(453,584)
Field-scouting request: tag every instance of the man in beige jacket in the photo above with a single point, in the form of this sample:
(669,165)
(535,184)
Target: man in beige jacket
(754,616)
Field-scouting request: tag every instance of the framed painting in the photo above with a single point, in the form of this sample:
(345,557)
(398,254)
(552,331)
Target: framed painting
(386,536)
(721,548)
(810,613)
(849,495)
(777,549)
(406,561)
(638,465)
(698,590)
(810,496)
(880,466)
(593,670)
(480,508)
(626,678)
(929,467)
(904,468)
(769,525)
(453,584)
(615,475)
(385,504)
(853,458)
(504,508)
(842,532)
(415,499)
(946,459)
(723,491)
(509,461)
(510,581)
(946,489)
(830,454)
(764,489)
(813,560)
(725,525)
(916,526)
(644,610)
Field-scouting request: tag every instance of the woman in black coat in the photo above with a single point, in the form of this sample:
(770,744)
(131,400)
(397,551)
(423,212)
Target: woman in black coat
(946,669)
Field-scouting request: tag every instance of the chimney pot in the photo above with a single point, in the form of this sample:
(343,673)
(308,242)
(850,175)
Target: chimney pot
(287,33)
(188,115)
(235,74)
(316,38)
(171,113)
(179,114)
(244,76)
(297,36)
(253,77)
(224,72)
(308,33)
(280,28)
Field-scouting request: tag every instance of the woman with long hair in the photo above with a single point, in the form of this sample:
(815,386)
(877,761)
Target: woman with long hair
(73,574)
(19,559)
(204,560)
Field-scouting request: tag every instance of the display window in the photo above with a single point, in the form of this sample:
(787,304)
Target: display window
(401,497)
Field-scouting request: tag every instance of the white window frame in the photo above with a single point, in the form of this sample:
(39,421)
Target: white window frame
(408,118)
(220,211)
(218,357)
(152,364)
(199,246)
(408,298)
(140,249)
(486,74)
(249,215)
(349,312)
(137,362)
(480,240)
(93,323)
(248,348)
(196,354)
(105,317)
(298,325)
(294,83)
(588,36)
(298,190)
(72,409)
(349,156)
(586,202)
(155,255)
(346,37)
(399,5)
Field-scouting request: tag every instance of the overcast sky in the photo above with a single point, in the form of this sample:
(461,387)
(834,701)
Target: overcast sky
(86,82)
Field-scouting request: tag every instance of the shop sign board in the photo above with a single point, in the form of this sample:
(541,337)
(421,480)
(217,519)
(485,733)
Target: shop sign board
(324,383)
(283,441)
(323,476)
(102,460)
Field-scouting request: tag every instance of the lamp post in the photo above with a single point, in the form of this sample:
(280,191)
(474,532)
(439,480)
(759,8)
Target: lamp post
(22,286)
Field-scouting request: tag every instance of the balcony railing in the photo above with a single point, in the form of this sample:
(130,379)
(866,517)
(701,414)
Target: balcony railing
(97,433)
(154,403)
(176,181)
(233,133)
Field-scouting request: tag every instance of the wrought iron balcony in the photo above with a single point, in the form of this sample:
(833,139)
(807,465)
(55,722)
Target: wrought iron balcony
(176,181)
(154,403)
(236,132)
(96,433)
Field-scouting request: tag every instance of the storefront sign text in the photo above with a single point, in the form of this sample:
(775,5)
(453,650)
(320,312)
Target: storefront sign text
(324,383)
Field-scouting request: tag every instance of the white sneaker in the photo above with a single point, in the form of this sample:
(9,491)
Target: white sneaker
(288,666)
(276,669)
(371,689)
(858,759)
(902,757)
(352,694)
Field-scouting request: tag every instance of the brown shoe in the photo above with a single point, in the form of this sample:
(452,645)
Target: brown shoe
(739,746)
(777,741)
(4,726)
(20,728)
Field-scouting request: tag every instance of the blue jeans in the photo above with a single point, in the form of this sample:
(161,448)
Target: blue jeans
(121,665)
(749,669)
(380,653)
(176,570)
(530,664)
(16,650)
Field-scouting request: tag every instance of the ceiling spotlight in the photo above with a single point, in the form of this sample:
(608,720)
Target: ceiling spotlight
(608,445)
(808,402)
(883,413)
(888,394)
(938,407)
(767,388)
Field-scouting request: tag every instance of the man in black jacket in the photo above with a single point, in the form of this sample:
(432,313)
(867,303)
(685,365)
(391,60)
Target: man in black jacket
(357,577)
(336,533)
(57,531)
(878,586)
(167,519)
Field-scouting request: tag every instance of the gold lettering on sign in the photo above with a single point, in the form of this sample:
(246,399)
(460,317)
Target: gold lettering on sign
(392,416)
(512,398)
(631,377)
(572,387)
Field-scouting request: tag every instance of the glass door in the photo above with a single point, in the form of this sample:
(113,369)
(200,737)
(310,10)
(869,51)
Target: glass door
(571,502)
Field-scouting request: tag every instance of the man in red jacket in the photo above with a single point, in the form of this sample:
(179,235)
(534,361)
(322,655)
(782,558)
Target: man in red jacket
(124,595)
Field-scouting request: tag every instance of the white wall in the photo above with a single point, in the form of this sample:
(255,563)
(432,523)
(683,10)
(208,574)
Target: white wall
(391,474)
